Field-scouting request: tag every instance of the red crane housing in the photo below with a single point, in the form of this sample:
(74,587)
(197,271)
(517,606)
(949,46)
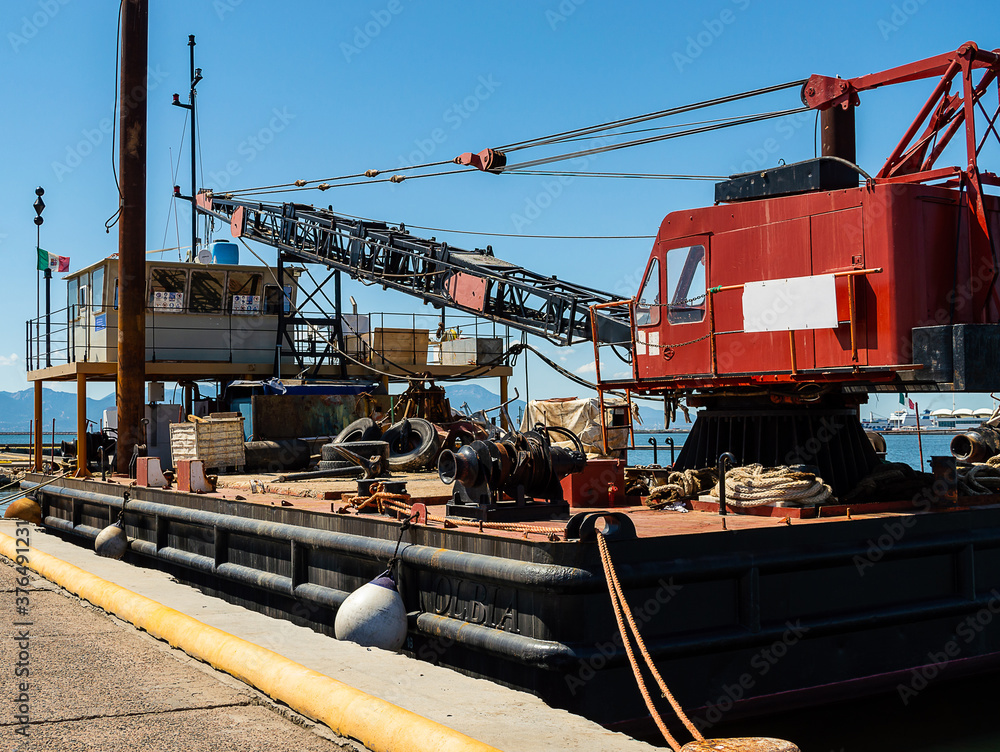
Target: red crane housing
(804,287)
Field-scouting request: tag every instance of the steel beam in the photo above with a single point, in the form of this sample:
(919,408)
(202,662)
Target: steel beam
(131,232)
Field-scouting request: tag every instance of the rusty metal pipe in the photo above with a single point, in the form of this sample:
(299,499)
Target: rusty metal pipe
(976,444)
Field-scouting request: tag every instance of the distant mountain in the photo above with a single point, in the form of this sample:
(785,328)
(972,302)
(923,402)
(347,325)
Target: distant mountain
(18,408)
(479,398)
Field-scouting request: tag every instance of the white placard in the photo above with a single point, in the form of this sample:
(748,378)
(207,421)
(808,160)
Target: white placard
(244,305)
(781,305)
(168,301)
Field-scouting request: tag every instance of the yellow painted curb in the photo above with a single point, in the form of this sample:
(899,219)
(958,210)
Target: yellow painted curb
(379,725)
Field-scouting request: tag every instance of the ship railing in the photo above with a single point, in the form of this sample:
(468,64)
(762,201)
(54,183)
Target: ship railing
(88,333)
(852,320)
(603,386)
(50,346)
(397,339)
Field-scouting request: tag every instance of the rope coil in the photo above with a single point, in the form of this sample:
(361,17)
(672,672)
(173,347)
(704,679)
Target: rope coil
(754,486)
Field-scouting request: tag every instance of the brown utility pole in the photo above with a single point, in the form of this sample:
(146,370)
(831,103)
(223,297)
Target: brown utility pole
(132,230)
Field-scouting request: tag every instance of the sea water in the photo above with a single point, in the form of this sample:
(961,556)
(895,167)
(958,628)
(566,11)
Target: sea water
(900,447)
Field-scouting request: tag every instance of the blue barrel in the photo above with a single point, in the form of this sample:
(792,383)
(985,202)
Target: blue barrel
(225,252)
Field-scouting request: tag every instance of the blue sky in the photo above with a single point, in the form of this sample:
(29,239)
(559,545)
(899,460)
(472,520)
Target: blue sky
(310,89)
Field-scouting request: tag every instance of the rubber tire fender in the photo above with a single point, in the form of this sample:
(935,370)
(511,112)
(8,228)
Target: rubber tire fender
(421,449)
(362,448)
(363,429)
(335,465)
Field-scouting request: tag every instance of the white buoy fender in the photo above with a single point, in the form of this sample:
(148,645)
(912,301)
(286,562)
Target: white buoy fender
(111,542)
(373,615)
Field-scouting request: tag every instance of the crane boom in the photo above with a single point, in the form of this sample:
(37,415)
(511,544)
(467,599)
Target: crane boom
(474,281)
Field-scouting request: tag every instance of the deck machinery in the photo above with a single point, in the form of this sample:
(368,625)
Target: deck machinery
(781,307)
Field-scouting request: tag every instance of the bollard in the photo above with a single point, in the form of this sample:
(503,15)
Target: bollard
(724,458)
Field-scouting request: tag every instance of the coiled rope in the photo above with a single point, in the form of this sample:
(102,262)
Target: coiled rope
(621,609)
(981,479)
(754,486)
(681,485)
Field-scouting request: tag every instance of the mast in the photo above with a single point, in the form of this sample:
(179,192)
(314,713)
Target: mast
(132,230)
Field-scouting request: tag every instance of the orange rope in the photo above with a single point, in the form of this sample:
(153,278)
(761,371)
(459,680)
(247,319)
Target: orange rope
(620,605)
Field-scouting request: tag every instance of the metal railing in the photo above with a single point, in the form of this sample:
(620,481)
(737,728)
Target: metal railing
(226,336)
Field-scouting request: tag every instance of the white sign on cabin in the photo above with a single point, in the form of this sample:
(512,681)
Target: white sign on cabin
(168,301)
(781,305)
(246,304)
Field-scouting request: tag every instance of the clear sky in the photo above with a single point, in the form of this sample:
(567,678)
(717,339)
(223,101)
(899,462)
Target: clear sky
(311,89)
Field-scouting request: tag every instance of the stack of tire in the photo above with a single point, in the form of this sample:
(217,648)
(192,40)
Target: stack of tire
(411,444)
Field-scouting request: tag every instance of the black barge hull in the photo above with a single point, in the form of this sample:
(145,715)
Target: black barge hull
(738,622)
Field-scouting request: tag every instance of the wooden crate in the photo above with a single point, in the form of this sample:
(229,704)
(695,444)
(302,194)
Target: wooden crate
(218,442)
(402,346)
(472,351)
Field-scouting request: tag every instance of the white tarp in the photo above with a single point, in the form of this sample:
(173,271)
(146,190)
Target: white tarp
(781,305)
(582,417)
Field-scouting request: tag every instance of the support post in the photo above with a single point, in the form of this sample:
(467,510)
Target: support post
(37,466)
(81,426)
(504,423)
(48,316)
(194,165)
(131,232)
(837,126)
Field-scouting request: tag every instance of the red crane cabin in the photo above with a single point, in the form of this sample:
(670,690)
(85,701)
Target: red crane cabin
(804,277)
(889,251)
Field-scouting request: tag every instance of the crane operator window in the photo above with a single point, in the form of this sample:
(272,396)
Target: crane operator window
(647,305)
(686,285)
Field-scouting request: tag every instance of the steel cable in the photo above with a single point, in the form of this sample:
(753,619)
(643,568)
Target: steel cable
(566,135)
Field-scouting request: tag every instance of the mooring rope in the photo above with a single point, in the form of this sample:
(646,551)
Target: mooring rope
(621,608)
(981,479)
(754,485)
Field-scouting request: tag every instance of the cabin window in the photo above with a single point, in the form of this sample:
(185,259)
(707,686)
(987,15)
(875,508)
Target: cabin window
(275,301)
(166,289)
(244,293)
(97,289)
(686,283)
(84,301)
(73,298)
(206,291)
(647,306)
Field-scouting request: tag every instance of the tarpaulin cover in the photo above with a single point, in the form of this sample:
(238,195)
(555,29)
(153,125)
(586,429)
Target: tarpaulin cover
(582,417)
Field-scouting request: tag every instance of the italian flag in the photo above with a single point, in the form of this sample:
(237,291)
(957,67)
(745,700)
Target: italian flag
(48,260)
